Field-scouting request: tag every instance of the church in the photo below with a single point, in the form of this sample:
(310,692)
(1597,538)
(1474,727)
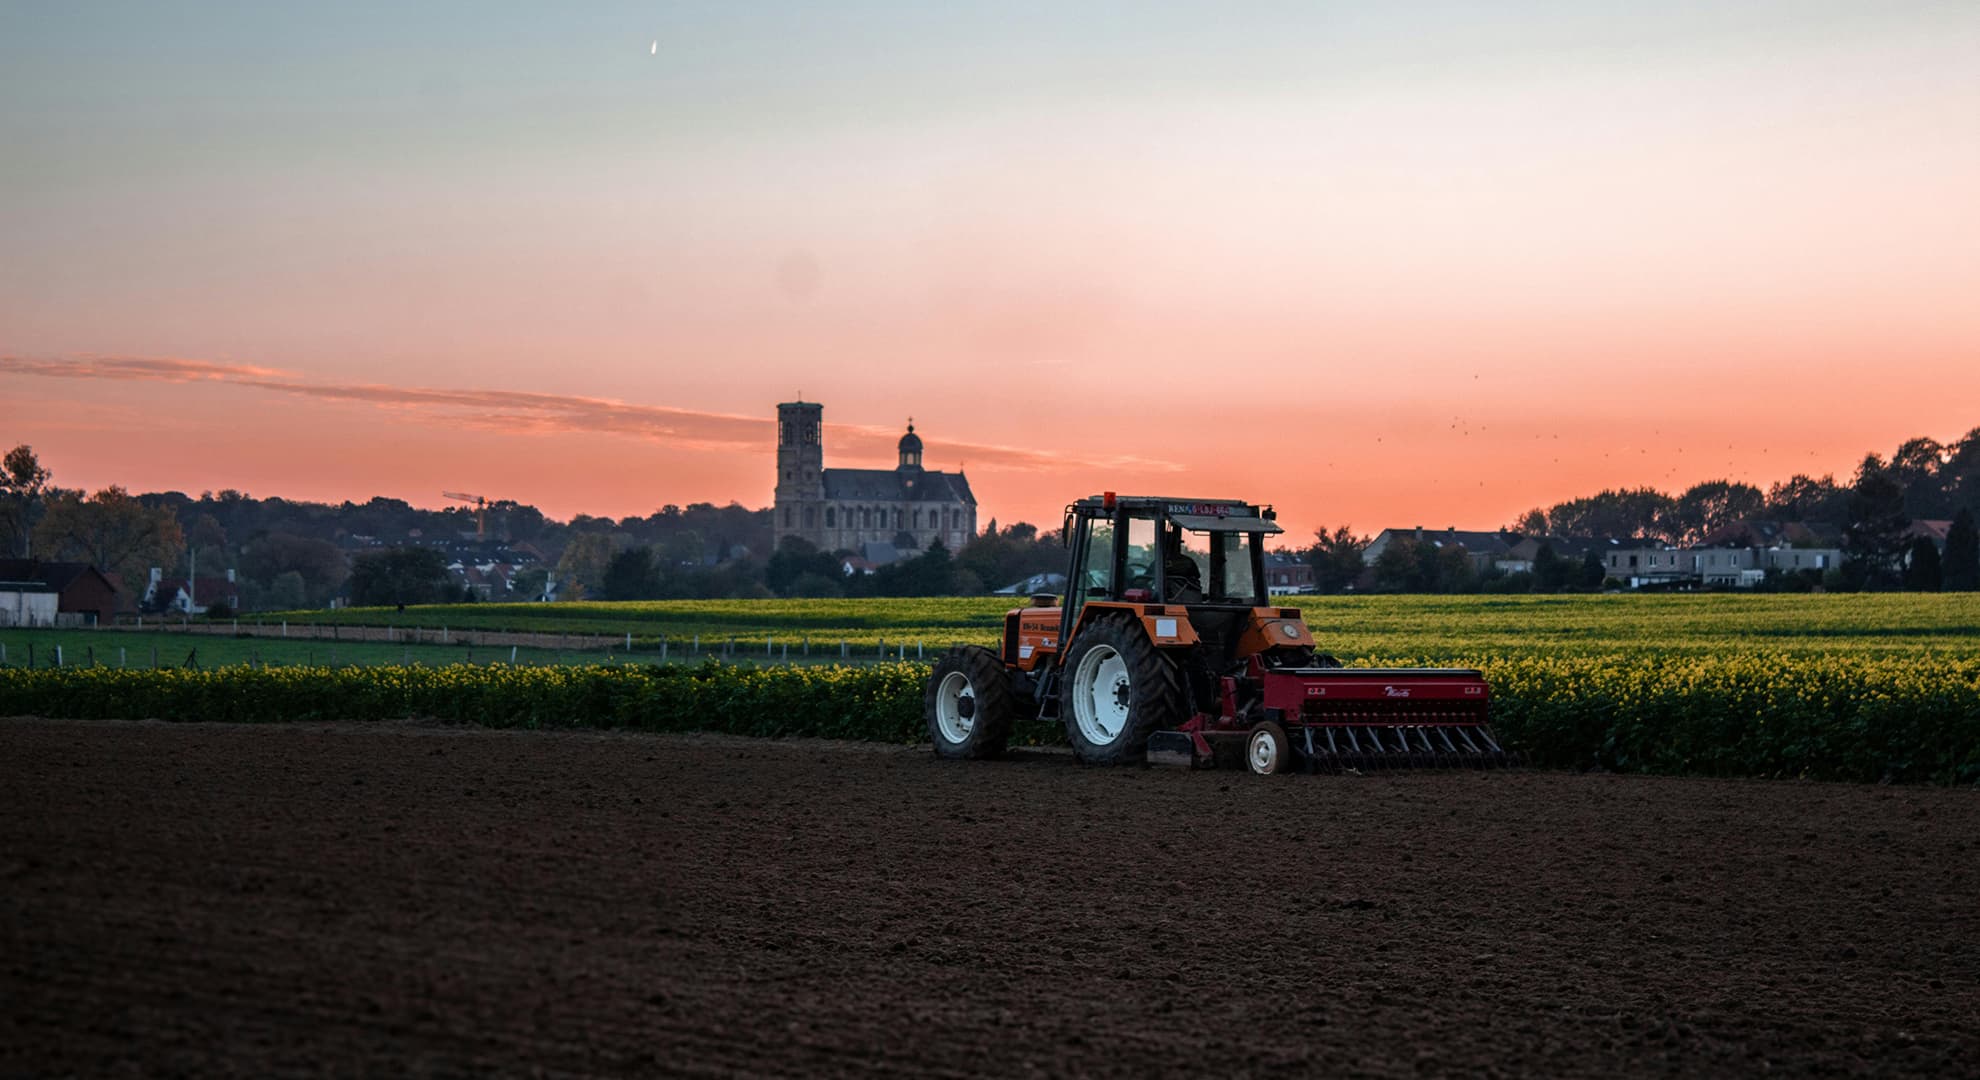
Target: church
(906,507)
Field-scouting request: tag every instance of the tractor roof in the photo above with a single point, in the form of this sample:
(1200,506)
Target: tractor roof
(1212,515)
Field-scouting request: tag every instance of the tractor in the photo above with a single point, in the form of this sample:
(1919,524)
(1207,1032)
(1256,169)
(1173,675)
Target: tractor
(1167,649)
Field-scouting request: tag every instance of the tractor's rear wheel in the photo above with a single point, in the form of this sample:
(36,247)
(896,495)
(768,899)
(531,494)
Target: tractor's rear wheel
(968,704)
(1118,690)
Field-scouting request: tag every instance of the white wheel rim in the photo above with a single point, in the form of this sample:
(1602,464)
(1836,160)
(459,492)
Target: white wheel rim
(1264,752)
(1101,695)
(949,696)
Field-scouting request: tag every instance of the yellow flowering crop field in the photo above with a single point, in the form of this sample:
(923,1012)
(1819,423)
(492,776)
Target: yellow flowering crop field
(1864,687)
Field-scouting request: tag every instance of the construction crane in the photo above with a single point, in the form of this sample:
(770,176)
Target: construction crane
(480,504)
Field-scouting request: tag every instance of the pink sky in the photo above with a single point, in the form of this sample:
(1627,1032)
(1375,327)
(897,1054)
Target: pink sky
(1433,287)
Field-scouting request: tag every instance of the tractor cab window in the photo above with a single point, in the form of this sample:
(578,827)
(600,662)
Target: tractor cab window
(1214,568)
(1096,568)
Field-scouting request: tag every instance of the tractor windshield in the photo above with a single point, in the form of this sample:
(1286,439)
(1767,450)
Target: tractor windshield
(1219,564)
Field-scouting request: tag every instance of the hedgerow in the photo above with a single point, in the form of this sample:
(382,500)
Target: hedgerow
(1863,718)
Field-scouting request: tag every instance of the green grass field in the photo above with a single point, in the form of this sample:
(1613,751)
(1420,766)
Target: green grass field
(1445,629)
(1450,627)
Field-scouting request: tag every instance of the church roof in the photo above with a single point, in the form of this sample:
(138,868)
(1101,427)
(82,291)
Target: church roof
(885,485)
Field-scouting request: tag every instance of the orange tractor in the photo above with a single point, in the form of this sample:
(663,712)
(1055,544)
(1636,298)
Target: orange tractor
(1168,649)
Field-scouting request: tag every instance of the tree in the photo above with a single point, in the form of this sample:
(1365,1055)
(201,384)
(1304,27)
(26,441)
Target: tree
(205,537)
(527,585)
(632,575)
(1808,499)
(1921,566)
(1917,466)
(288,592)
(1960,570)
(111,531)
(1874,533)
(1705,508)
(1531,523)
(1624,513)
(582,568)
(797,558)
(1551,573)
(399,576)
(22,481)
(1593,573)
(1336,559)
(319,564)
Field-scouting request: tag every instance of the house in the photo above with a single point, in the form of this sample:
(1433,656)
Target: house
(1287,573)
(1756,533)
(1935,531)
(1654,564)
(1519,558)
(190,597)
(1483,548)
(35,593)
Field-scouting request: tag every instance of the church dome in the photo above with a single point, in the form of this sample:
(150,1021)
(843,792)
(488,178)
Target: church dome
(910,443)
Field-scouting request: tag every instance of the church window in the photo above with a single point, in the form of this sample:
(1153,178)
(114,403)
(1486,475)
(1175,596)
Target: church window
(898,515)
(787,517)
(866,517)
(830,521)
(810,516)
(917,517)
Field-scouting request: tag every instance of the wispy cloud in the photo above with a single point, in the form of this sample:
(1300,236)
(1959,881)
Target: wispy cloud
(527,413)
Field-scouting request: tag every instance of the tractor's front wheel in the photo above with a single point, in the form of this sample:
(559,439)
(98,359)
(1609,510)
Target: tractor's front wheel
(968,704)
(1118,690)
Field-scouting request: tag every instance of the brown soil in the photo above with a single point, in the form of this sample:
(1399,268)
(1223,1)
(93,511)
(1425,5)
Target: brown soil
(365,899)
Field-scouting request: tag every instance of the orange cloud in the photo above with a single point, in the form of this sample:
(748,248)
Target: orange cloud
(525,412)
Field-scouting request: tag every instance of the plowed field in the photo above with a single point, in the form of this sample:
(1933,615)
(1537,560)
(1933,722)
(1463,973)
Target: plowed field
(389,899)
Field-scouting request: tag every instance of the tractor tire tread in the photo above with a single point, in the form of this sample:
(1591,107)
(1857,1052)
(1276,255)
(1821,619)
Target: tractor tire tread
(996,703)
(1164,707)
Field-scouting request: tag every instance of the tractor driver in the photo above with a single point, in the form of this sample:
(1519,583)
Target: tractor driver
(1184,582)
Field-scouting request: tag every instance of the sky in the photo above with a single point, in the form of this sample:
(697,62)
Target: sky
(1377,264)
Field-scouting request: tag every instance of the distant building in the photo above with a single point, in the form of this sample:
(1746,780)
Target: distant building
(1482,548)
(35,593)
(907,506)
(190,597)
(1287,573)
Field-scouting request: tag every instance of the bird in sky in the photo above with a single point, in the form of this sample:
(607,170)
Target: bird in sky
(654,49)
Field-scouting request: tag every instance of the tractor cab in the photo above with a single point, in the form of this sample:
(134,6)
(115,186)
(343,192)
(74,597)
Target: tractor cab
(1203,558)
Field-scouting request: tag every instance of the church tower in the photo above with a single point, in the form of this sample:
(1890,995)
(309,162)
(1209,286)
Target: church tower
(800,467)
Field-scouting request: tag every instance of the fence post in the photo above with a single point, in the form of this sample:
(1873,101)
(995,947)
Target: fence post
(333,658)
(120,656)
(58,656)
(237,627)
(697,643)
(92,655)
(769,646)
(807,644)
(154,657)
(285,628)
(787,652)
(512,655)
(919,652)
(663,650)
(843,653)
(629,641)
(882,653)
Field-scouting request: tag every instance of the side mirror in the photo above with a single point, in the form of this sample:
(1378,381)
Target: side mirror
(1065,532)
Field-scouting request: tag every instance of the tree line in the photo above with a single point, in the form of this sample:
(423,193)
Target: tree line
(1869,517)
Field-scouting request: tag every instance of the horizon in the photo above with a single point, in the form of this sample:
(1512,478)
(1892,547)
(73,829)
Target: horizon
(1375,268)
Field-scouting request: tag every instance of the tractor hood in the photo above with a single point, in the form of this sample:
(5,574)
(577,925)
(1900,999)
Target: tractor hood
(1207,523)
